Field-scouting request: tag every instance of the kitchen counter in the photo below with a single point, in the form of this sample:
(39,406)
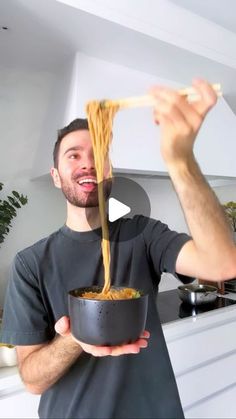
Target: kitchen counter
(171,308)
(9,381)
(199,323)
(15,401)
(202,350)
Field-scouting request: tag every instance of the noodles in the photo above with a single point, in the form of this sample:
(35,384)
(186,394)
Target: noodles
(100,128)
(100,119)
(112,294)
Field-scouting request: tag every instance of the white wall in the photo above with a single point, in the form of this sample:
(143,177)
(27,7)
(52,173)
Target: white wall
(23,103)
(226,193)
(165,204)
(44,213)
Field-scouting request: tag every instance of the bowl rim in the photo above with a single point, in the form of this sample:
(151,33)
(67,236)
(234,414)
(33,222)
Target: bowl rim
(143,294)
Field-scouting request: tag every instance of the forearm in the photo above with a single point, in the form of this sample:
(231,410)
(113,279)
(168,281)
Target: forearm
(205,216)
(45,366)
(212,251)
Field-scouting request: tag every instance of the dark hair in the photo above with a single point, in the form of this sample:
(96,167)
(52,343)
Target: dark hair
(76,125)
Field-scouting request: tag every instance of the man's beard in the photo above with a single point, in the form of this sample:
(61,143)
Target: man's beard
(80,198)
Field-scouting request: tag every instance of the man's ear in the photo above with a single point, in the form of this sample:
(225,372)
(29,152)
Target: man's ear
(56,178)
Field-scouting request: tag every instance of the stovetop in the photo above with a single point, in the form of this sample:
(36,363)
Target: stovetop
(171,307)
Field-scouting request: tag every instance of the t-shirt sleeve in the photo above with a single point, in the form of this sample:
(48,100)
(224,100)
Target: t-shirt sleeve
(163,246)
(25,319)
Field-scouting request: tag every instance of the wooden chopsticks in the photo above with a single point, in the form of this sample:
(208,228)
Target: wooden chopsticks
(147,100)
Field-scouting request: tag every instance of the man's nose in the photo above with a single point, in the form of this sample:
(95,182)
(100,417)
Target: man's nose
(88,163)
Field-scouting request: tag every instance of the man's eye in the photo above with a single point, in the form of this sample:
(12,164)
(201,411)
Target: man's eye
(73,156)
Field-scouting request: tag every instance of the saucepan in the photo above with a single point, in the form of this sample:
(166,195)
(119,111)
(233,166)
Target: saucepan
(197,294)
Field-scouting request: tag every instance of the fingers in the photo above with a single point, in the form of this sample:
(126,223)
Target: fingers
(96,350)
(180,120)
(207,94)
(62,326)
(145,334)
(174,108)
(169,101)
(134,347)
(131,348)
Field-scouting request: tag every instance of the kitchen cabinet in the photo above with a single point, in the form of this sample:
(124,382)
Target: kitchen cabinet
(15,401)
(136,139)
(203,355)
(19,405)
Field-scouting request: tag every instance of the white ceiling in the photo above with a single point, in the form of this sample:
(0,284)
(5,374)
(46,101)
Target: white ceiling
(44,34)
(30,40)
(222,12)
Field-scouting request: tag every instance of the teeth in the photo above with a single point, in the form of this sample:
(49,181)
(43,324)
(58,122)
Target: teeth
(87,181)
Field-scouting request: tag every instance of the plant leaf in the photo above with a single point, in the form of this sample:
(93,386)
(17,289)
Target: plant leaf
(8,211)
(16,194)
(23,199)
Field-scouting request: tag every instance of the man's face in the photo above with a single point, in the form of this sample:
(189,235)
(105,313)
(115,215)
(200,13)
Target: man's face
(76,175)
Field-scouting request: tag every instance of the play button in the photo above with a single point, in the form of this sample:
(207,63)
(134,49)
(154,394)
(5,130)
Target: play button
(127,206)
(116,209)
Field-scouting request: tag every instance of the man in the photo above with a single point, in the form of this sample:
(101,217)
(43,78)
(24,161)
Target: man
(136,380)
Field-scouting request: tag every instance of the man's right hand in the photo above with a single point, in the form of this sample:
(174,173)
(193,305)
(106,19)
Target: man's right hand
(180,120)
(62,327)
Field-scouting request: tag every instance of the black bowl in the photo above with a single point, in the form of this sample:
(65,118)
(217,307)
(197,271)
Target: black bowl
(106,322)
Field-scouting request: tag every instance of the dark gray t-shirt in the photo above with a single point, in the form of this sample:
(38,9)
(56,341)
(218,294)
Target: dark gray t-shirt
(128,386)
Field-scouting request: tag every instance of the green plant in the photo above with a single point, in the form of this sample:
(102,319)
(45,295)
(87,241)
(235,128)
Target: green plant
(230,209)
(8,209)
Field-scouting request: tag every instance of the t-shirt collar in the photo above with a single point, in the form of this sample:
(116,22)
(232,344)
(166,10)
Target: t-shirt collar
(83,236)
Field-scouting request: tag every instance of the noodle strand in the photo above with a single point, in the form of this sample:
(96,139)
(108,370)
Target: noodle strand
(100,122)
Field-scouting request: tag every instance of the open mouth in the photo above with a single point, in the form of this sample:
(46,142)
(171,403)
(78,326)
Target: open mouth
(88,184)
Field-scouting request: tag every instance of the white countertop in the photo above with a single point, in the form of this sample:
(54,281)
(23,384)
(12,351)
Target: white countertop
(231,295)
(196,324)
(8,371)
(10,381)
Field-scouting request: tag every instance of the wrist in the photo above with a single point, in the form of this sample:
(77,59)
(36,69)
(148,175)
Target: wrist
(183,167)
(68,344)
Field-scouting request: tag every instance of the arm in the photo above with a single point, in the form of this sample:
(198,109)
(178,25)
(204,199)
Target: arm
(212,252)
(43,365)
